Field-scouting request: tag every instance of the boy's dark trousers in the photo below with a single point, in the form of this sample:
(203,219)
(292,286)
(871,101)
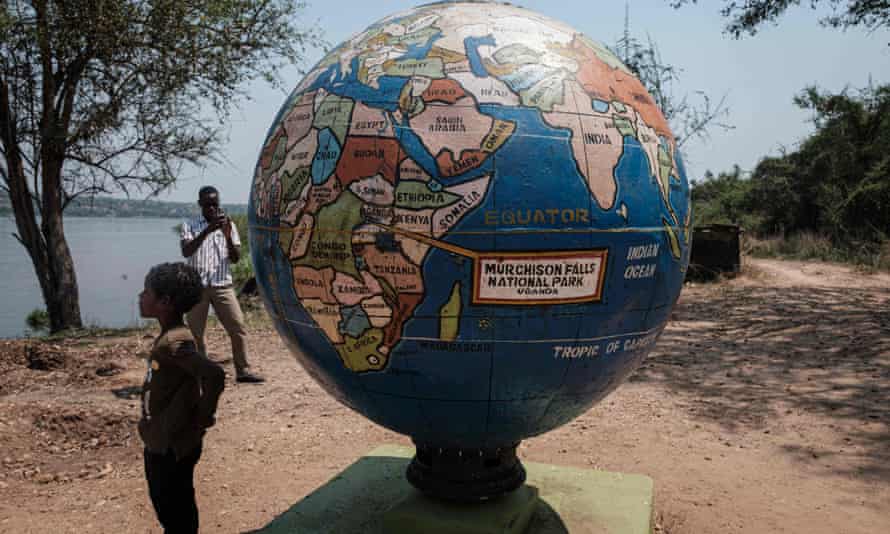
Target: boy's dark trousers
(172,490)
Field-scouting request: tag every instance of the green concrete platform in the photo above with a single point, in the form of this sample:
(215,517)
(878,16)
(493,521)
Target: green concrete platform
(418,514)
(372,496)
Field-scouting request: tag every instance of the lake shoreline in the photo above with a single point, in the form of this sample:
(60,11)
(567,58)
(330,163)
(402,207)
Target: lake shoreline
(111,256)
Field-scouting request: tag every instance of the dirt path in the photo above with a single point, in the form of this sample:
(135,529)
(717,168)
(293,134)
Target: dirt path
(764,408)
(781,273)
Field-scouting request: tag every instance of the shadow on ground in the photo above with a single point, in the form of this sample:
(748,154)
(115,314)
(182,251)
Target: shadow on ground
(356,499)
(740,356)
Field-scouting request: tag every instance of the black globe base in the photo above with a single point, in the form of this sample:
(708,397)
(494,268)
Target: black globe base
(465,475)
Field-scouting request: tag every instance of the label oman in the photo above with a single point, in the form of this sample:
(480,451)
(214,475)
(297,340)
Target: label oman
(535,278)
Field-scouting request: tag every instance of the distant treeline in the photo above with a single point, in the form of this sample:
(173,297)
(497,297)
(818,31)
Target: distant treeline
(123,207)
(835,185)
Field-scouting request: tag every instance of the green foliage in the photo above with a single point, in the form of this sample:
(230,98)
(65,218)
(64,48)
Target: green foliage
(243,270)
(723,199)
(240,221)
(749,16)
(838,182)
(828,199)
(776,196)
(37,320)
(98,96)
(129,83)
(90,332)
(5,24)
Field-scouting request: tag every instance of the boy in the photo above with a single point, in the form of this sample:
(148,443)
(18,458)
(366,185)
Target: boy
(179,396)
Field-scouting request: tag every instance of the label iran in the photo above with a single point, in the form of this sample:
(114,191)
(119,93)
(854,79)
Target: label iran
(539,278)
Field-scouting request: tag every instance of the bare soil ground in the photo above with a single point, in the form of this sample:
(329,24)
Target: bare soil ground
(765,407)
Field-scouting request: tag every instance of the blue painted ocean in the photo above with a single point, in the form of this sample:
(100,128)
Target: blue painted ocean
(502,368)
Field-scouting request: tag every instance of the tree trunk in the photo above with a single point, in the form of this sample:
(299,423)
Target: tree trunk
(50,255)
(63,298)
(48,249)
(46,244)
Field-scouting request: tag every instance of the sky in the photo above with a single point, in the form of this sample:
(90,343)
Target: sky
(759,76)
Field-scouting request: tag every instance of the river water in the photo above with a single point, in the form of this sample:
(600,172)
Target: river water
(111,257)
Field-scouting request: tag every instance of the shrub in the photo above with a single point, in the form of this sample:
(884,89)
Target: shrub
(38,320)
(243,270)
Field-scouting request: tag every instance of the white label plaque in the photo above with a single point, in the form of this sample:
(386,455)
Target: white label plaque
(533,278)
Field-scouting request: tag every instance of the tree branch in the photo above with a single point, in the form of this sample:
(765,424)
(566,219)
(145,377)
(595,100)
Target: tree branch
(750,15)
(92,191)
(46,61)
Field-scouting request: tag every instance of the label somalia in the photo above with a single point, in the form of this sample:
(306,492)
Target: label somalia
(534,278)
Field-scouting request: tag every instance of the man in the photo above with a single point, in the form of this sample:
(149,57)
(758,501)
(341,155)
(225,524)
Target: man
(211,242)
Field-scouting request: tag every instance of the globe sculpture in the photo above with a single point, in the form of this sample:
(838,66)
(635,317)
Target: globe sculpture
(469,223)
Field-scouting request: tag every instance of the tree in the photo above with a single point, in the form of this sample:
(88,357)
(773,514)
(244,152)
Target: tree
(749,16)
(689,117)
(723,199)
(98,96)
(837,182)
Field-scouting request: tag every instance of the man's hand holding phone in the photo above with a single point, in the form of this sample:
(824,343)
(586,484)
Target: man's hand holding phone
(217,221)
(225,224)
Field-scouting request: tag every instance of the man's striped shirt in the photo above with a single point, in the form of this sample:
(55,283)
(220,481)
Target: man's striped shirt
(212,257)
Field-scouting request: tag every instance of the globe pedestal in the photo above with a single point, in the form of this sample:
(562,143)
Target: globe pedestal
(470,223)
(465,475)
(420,514)
(371,496)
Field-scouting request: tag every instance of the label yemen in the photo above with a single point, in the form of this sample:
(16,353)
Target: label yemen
(529,278)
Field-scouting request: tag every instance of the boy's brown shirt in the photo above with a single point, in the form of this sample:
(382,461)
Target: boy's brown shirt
(179,395)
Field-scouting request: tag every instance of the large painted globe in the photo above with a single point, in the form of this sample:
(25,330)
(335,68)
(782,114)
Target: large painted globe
(470,223)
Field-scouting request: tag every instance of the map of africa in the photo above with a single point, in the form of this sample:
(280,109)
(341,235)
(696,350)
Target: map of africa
(460,179)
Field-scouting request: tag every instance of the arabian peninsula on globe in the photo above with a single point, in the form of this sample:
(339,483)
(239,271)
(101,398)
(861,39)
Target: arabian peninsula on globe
(470,222)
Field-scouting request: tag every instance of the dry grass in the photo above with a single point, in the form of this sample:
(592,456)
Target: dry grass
(868,257)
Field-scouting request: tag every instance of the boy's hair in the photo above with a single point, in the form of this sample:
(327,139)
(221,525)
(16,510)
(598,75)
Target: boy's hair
(180,282)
